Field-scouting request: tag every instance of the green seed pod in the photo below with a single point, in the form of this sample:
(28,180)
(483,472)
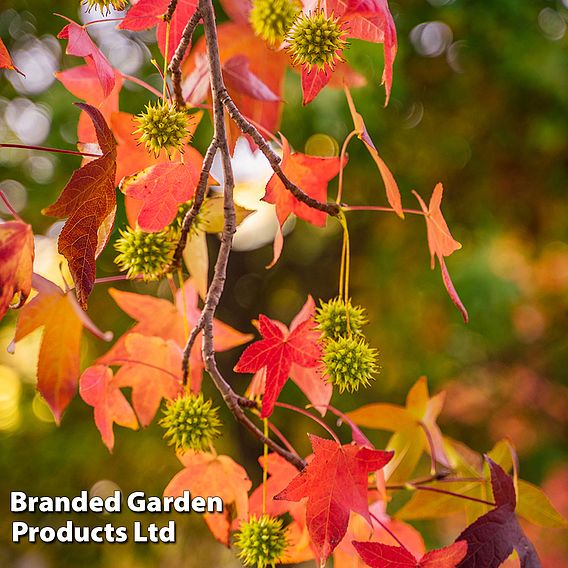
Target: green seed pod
(336,319)
(105,6)
(349,363)
(191,422)
(262,541)
(163,126)
(271,19)
(316,40)
(146,254)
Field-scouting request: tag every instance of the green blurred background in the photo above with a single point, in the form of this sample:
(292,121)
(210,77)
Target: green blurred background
(480,102)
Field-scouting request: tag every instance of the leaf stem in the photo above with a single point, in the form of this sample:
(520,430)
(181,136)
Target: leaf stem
(46,149)
(341,161)
(9,206)
(385,528)
(141,83)
(378,208)
(314,418)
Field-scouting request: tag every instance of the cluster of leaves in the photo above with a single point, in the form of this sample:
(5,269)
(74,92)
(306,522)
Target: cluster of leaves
(339,503)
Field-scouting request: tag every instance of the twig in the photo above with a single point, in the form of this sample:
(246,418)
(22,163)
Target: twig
(246,127)
(197,200)
(175,64)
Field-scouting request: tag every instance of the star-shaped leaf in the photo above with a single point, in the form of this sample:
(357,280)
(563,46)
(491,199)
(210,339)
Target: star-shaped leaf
(277,352)
(208,474)
(335,482)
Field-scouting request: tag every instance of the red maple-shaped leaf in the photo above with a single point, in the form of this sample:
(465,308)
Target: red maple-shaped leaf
(89,203)
(83,82)
(98,389)
(16,261)
(279,349)
(313,81)
(440,242)
(6,60)
(152,367)
(492,538)
(62,319)
(161,188)
(149,13)
(310,380)
(309,173)
(81,45)
(335,483)
(379,555)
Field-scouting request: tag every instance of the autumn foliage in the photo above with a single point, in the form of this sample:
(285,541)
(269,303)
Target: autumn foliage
(336,502)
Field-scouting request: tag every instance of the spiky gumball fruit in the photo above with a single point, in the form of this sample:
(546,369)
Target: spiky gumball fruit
(105,6)
(271,19)
(262,541)
(145,254)
(316,40)
(191,422)
(350,362)
(163,127)
(336,319)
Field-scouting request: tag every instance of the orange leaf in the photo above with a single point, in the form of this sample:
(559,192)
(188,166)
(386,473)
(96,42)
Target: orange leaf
(207,474)
(309,173)
(59,355)
(440,242)
(5,59)
(170,325)
(161,188)
(393,193)
(98,389)
(16,260)
(89,202)
(153,371)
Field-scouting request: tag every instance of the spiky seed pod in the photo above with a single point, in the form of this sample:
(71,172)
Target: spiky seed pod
(271,19)
(336,319)
(162,126)
(262,541)
(316,40)
(349,362)
(146,254)
(191,422)
(105,6)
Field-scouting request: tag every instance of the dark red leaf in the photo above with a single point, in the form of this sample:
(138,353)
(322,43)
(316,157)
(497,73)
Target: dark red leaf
(238,76)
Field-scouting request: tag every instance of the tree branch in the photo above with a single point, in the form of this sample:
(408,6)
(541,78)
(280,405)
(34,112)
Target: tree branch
(233,401)
(175,64)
